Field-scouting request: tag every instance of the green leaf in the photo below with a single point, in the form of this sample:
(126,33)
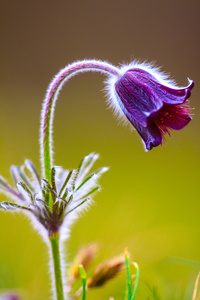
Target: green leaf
(6,188)
(4,183)
(101,171)
(19,175)
(85,181)
(24,190)
(25,178)
(32,169)
(70,199)
(91,192)
(65,194)
(77,206)
(12,206)
(66,182)
(15,173)
(53,182)
(86,164)
(45,190)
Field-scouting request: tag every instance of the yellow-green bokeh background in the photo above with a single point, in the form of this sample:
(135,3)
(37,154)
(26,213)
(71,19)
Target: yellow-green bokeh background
(149,201)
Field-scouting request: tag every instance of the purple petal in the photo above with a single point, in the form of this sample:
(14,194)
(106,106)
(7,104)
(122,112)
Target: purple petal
(151,135)
(139,98)
(165,93)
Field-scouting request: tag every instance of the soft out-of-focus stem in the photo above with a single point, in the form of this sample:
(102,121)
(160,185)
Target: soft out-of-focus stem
(50,100)
(136,281)
(194,296)
(57,267)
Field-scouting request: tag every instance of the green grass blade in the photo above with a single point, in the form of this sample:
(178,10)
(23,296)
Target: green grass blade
(136,280)
(83,278)
(128,271)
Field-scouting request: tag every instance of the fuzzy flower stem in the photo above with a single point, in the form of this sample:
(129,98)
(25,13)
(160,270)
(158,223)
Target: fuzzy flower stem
(54,240)
(50,100)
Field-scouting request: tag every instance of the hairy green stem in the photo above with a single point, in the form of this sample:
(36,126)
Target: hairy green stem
(49,104)
(54,240)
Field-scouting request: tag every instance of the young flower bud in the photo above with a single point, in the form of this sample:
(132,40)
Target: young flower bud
(106,271)
(84,257)
(151,103)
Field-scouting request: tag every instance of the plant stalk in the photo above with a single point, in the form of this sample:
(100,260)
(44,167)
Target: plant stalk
(54,240)
(50,100)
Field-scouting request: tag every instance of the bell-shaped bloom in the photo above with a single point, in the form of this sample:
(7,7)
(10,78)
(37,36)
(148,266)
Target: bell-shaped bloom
(151,103)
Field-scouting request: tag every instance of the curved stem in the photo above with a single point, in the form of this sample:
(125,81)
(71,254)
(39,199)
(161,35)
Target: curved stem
(50,100)
(57,267)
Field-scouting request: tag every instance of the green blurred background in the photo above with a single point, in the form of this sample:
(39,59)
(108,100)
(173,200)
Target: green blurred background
(149,201)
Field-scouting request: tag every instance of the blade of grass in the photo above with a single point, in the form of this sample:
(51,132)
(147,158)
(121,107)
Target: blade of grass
(128,271)
(136,280)
(84,278)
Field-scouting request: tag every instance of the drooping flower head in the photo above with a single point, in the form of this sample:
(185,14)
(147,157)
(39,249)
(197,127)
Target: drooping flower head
(152,104)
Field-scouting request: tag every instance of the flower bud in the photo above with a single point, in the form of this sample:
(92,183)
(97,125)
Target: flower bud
(84,257)
(106,271)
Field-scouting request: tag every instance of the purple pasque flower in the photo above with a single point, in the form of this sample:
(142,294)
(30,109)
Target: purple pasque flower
(153,104)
